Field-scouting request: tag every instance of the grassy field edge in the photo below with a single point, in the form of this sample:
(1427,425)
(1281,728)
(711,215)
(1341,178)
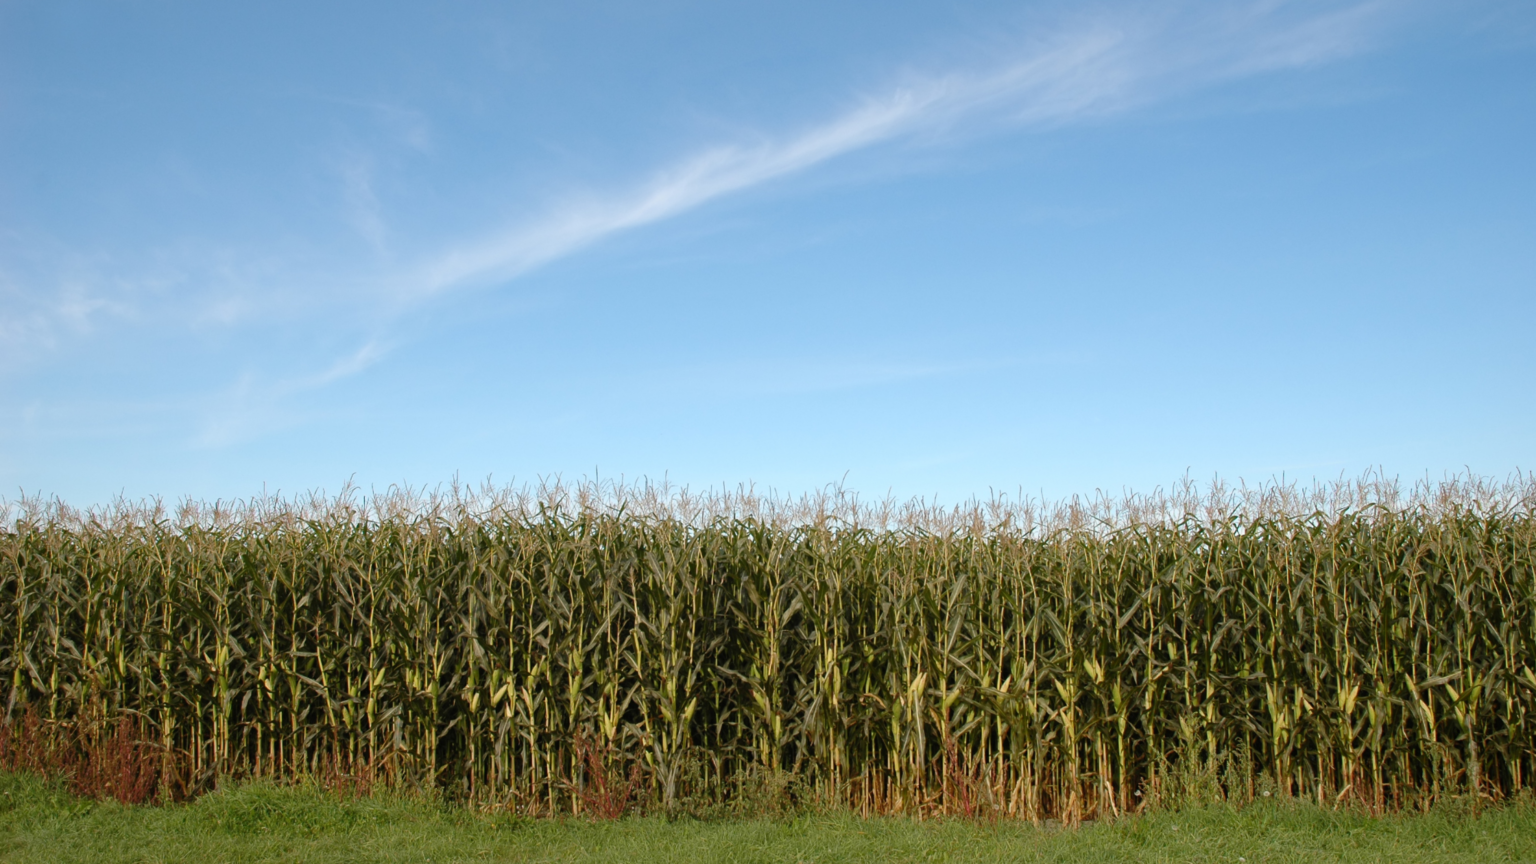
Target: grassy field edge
(40,822)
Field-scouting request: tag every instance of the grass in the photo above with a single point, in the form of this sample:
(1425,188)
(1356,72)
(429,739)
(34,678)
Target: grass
(39,822)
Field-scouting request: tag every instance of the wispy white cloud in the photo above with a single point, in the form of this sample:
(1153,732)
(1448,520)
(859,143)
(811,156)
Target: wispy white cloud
(370,353)
(1087,69)
(362,203)
(1310,41)
(409,126)
(54,296)
(77,301)
(1102,63)
(252,408)
(1062,78)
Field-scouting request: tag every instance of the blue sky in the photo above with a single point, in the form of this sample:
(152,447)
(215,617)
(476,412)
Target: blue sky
(929,249)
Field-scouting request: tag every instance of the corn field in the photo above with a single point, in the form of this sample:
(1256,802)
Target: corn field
(1353,643)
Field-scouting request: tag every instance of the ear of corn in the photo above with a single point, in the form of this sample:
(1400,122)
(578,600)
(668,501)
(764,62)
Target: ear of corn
(994,659)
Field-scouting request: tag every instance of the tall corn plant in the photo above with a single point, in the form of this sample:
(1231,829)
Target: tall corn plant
(1382,654)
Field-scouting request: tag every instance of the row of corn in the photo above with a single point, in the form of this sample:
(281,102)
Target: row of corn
(524,657)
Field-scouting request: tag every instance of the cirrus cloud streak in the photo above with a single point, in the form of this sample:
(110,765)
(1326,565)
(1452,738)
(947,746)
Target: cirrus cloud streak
(1085,70)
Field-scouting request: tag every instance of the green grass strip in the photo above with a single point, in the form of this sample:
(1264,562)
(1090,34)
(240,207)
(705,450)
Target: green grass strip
(261,822)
